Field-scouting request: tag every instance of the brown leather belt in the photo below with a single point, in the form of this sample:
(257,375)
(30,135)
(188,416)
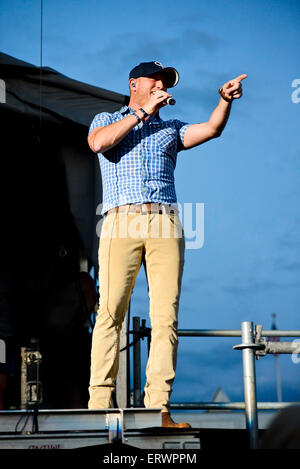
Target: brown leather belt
(143,208)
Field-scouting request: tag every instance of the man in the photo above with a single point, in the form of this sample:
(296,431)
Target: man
(137,152)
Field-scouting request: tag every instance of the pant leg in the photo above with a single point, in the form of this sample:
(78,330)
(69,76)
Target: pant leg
(119,262)
(164,257)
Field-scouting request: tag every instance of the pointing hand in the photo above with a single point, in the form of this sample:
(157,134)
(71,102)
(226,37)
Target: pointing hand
(232,89)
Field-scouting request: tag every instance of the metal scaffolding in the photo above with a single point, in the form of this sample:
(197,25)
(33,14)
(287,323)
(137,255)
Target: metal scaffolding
(254,345)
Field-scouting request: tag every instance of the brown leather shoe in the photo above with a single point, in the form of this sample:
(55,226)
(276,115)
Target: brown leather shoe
(168,422)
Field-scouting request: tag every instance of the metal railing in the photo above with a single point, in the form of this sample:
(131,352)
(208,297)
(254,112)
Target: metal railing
(253,346)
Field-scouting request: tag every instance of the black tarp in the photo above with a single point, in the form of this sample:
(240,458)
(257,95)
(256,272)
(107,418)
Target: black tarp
(50,191)
(55,111)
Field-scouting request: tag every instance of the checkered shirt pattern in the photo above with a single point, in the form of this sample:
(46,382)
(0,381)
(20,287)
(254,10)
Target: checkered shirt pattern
(140,169)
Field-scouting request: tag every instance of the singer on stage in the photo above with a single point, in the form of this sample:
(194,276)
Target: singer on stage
(137,152)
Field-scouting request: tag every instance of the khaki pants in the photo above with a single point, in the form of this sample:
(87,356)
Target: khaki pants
(125,239)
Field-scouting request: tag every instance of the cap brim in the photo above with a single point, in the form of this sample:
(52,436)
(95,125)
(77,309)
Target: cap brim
(171,74)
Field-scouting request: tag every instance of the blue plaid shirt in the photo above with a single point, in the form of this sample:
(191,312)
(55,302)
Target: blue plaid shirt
(140,168)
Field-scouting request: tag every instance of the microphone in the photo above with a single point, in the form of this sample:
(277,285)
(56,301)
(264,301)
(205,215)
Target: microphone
(170,101)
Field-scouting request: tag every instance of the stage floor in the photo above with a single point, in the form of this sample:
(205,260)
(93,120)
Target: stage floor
(135,427)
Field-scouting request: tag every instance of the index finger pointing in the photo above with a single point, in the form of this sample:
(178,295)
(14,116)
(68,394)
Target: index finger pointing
(241,77)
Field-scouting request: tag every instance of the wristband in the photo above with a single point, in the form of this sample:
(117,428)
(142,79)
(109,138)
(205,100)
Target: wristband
(221,92)
(137,117)
(144,112)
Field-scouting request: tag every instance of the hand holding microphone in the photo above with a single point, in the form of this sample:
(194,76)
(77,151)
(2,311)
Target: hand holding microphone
(158,99)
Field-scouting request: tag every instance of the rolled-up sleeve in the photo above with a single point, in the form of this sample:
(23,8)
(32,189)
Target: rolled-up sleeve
(100,120)
(181,129)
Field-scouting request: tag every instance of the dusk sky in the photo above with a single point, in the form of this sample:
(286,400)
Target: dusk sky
(248,179)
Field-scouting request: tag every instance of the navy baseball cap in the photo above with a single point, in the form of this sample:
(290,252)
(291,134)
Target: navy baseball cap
(146,69)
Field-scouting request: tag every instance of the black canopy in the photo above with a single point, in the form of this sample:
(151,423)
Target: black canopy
(51,185)
(56,112)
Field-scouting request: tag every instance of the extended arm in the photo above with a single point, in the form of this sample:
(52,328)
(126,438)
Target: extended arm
(200,133)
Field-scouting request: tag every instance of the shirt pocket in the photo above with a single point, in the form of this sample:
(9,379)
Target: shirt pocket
(164,143)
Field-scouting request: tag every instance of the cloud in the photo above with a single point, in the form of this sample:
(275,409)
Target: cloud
(190,284)
(288,244)
(291,239)
(125,49)
(170,48)
(200,373)
(245,287)
(218,356)
(284,264)
(191,97)
(201,39)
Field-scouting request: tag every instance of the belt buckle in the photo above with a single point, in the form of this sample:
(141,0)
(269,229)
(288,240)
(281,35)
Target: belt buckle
(157,208)
(144,209)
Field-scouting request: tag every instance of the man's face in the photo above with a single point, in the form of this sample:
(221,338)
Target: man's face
(144,86)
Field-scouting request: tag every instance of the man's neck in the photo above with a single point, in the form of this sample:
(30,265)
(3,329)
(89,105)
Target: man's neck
(134,105)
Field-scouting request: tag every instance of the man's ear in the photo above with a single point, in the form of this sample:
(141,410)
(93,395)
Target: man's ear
(132,83)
